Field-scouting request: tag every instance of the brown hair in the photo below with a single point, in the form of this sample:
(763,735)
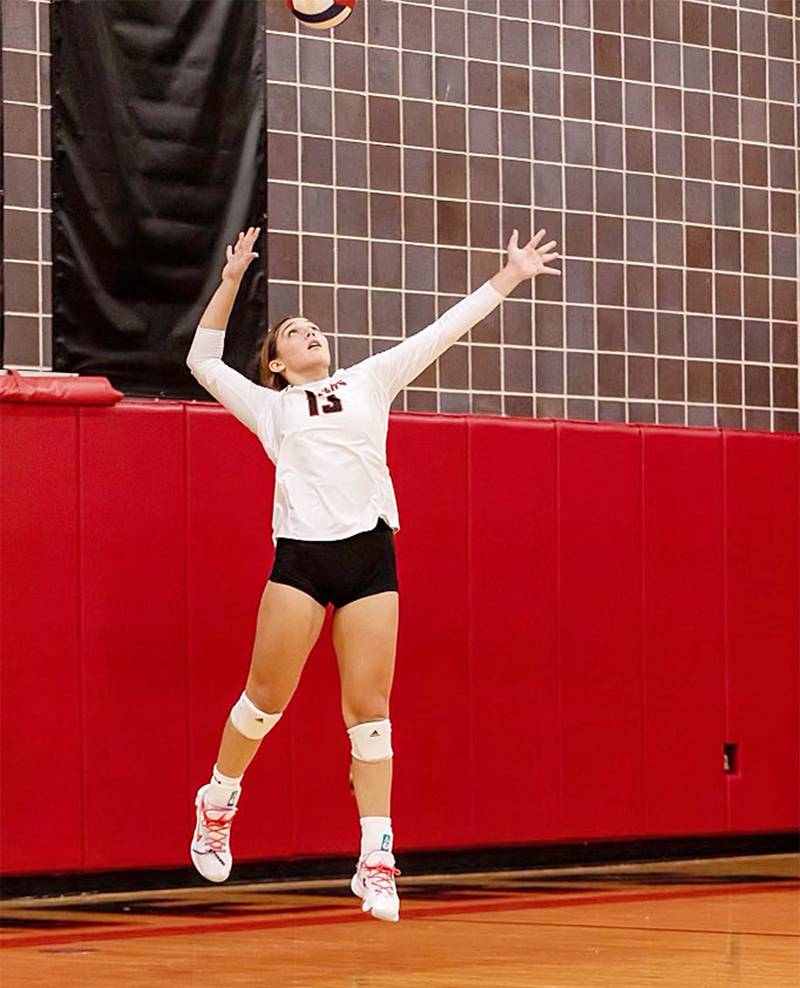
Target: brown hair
(269,351)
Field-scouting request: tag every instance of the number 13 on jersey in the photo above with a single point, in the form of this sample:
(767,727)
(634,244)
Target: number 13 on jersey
(334,404)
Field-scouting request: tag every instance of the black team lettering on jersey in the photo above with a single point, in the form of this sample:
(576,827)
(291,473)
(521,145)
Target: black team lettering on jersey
(334,403)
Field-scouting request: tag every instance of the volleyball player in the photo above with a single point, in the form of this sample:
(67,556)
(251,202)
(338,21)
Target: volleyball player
(333,525)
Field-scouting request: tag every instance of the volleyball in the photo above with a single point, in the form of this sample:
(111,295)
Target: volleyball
(321,14)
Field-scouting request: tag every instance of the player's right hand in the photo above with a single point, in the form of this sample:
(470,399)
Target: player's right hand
(240,255)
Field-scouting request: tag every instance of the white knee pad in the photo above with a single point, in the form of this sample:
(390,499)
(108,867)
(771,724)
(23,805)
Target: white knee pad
(250,721)
(371,742)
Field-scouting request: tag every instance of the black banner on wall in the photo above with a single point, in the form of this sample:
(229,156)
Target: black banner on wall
(158,162)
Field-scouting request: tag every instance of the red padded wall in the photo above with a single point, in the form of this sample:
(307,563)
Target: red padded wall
(762,505)
(430,706)
(325,817)
(587,612)
(511,602)
(683,622)
(599,578)
(41,809)
(133,629)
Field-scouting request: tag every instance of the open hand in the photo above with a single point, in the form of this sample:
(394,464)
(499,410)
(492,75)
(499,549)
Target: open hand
(241,255)
(530,260)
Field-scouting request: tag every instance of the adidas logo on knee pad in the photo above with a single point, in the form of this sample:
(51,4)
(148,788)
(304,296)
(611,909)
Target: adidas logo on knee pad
(250,721)
(371,741)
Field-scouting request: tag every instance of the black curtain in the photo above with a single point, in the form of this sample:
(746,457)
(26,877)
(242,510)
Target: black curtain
(158,162)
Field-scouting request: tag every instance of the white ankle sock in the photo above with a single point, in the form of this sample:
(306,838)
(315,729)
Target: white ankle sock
(223,790)
(376,834)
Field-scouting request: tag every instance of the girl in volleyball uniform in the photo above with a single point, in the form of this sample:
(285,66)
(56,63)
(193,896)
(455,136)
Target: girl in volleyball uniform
(334,516)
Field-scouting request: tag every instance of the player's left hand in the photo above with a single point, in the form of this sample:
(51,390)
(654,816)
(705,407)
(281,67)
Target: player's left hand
(530,260)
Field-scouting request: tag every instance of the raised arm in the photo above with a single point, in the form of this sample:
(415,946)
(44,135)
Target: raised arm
(242,397)
(397,367)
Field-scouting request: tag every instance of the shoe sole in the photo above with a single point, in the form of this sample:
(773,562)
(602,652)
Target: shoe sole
(392,917)
(208,878)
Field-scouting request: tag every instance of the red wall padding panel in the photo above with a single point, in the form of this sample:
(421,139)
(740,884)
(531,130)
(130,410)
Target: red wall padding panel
(588,612)
(599,581)
(430,705)
(325,819)
(683,645)
(133,627)
(511,599)
(41,804)
(762,526)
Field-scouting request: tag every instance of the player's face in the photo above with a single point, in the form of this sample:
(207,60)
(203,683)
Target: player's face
(302,347)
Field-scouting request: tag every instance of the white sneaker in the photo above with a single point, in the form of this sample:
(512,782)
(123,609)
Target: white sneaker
(210,848)
(373,882)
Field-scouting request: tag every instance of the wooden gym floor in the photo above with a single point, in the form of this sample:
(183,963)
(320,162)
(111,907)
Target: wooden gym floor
(728,921)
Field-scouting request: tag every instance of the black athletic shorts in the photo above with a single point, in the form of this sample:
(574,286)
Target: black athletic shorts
(338,571)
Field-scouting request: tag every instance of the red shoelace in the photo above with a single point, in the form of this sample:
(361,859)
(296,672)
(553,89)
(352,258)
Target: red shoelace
(218,830)
(381,876)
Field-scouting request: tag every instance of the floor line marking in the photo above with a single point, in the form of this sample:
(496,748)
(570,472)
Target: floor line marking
(424,912)
(609,926)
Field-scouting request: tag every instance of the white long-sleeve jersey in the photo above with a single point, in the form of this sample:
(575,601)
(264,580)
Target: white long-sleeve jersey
(327,438)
